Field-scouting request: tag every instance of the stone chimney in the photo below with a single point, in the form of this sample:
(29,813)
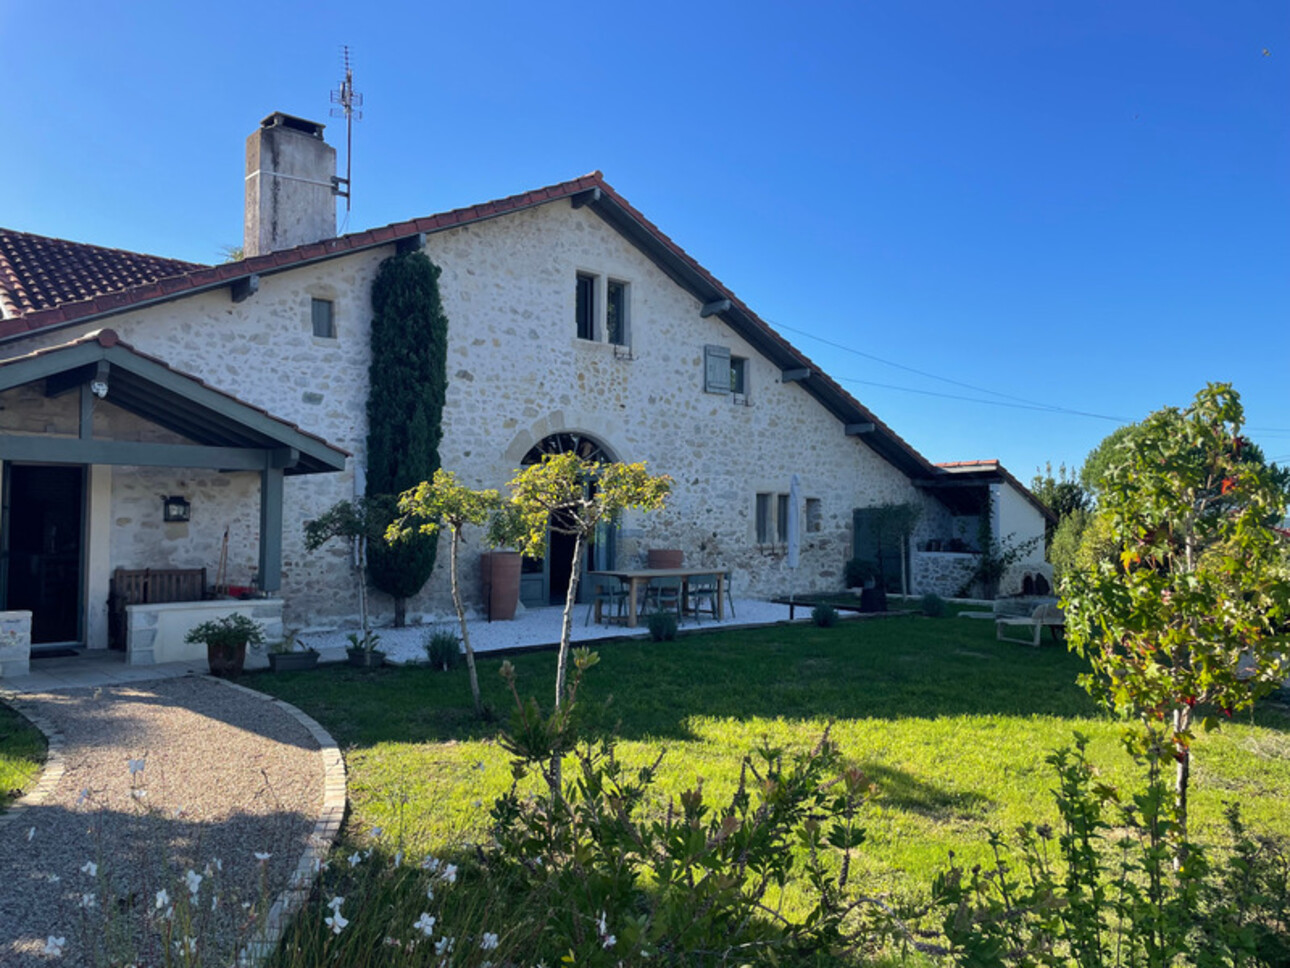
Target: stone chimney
(290,185)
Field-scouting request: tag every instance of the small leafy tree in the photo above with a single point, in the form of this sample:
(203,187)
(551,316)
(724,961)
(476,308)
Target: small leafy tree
(443,502)
(893,526)
(1187,614)
(571,495)
(407,381)
(358,522)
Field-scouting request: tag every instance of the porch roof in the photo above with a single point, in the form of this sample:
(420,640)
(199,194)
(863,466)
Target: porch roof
(226,433)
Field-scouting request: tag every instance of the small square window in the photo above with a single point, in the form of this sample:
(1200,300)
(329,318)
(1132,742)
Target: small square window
(616,312)
(738,375)
(586,306)
(814,517)
(324,317)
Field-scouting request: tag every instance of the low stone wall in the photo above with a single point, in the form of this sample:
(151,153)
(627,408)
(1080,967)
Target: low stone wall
(940,572)
(155,633)
(15,644)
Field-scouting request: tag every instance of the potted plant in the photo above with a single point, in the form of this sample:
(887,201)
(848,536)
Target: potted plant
(860,573)
(284,656)
(362,651)
(226,640)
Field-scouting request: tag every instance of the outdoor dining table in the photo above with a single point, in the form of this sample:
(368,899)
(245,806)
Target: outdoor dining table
(637,579)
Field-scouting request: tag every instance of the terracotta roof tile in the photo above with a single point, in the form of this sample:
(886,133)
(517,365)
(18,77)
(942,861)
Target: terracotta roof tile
(39,273)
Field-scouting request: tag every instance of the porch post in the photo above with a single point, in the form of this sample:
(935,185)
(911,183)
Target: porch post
(271,529)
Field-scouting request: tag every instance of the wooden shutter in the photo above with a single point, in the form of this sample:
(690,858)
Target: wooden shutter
(716,369)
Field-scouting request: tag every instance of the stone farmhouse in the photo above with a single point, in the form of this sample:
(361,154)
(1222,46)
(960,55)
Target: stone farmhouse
(157,414)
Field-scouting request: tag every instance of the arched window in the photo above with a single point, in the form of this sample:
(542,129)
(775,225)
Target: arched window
(565,443)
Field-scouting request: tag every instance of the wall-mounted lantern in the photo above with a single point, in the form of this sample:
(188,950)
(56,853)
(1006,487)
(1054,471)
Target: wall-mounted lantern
(176,509)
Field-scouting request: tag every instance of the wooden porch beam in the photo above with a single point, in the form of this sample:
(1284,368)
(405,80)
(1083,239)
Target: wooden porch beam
(856,429)
(270,573)
(795,376)
(714,306)
(75,450)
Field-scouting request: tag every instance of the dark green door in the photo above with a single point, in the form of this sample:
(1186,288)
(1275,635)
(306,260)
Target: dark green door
(42,542)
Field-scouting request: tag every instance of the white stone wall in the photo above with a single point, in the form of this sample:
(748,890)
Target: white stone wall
(516,373)
(1017,520)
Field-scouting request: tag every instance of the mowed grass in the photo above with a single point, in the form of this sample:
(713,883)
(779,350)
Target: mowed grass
(952,727)
(22,754)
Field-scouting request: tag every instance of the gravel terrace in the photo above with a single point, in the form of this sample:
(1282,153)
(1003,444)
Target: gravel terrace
(160,778)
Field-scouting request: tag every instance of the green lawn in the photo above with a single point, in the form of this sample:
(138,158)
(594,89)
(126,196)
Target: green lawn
(952,726)
(22,754)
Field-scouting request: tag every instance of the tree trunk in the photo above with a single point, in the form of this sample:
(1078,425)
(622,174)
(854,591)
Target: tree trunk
(400,612)
(566,625)
(1182,720)
(360,568)
(465,632)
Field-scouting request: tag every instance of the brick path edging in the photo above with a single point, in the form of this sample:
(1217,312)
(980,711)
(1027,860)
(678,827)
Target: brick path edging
(326,826)
(55,765)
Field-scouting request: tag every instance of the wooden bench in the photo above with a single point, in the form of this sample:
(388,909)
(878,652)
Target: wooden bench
(149,586)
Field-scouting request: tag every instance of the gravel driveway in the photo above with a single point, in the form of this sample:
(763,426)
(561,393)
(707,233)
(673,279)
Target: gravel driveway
(160,778)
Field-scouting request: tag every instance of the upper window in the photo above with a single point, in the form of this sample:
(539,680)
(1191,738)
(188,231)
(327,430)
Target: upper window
(324,318)
(616,312)
(586,306)
(765,518)
(738,375)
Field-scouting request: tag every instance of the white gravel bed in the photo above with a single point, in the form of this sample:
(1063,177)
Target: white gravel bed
(218,775)
(534,628)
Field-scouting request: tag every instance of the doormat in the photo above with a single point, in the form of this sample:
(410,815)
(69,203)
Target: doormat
(53,654)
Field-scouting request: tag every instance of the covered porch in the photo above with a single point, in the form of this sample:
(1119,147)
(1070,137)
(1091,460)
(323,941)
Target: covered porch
(106,453)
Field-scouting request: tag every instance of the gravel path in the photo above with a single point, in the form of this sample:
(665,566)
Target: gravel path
(158,779)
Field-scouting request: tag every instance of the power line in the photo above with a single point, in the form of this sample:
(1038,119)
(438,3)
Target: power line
(1042,408)
(1021,403)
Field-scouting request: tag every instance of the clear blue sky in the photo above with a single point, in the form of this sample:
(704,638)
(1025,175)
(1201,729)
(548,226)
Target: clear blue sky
(1078,205)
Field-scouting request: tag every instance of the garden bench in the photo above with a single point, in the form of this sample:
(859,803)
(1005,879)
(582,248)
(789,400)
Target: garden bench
(150,586)
(1044,616)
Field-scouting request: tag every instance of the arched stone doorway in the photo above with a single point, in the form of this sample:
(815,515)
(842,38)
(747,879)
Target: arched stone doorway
(545,581)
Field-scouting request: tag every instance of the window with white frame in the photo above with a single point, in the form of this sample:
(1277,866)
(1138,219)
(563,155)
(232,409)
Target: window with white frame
(602,309)
(323,313)
(585,306)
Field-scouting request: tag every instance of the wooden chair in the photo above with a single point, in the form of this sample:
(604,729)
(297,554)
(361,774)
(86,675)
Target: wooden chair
(606,591)
(664,595)
(699,589)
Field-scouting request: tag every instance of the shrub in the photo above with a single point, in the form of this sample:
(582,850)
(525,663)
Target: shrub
(443,649)
(1103,881)
(662,626)
(933,606)
(858,571)
(825,616)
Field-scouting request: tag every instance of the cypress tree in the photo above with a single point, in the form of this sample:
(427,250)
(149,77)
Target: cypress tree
(406,384)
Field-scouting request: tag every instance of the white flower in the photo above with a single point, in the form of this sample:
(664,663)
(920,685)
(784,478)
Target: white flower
(449,873)
(489,941)
(194,881)
(429,893)
(337,922)
(88,901)
(376,833)
(443,945)
(30,834)
(84,795)
(54,946)
(355,859)
(398,858)
(188,945)
(262,855)
(610,941)
(213,865)
(425,924)
(600,925)
(431,863)
(136,766)
(335,903)
(90,868)
(163,898)
(138,794)
(477,803)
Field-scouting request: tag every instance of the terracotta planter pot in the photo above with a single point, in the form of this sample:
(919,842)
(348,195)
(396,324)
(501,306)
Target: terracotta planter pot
(665,558)
(499,573)
(226,663)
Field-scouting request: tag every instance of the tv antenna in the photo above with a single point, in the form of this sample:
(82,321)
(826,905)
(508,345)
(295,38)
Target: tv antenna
(349,101)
